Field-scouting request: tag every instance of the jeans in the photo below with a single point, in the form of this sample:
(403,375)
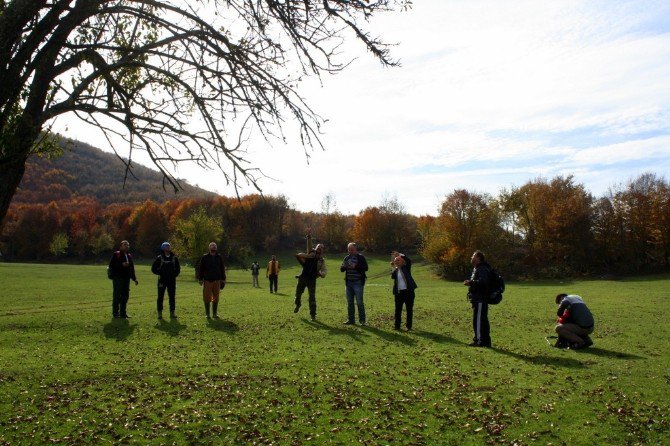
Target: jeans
(354,289)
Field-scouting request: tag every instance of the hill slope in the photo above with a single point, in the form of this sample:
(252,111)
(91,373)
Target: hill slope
(83,170)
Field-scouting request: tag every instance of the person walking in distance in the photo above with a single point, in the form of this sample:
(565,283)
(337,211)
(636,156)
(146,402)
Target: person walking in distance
(212,277)
(354,267)
(166,267)
(121,271)
(479,290)
(272,273)
(313,266)
(255,269)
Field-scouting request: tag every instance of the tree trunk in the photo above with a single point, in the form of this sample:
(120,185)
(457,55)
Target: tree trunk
(11,173)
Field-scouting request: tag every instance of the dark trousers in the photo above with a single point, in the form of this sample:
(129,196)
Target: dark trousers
(120,295)
(480,323)
(171,287)
(274,279)
(405,297)
(310,284)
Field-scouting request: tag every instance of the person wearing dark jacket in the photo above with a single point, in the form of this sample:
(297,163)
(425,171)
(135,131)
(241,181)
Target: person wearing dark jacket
(354,266)
(478,292)
(313,266)
(212,277)
(575,322)
(121,271)
(395,253)
(166,267)
(403,290)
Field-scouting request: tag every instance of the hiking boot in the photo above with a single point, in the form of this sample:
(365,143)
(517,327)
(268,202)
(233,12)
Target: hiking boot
(562,343)
(160,315)
(349,323)
(313,317)
(297,307)
(172,315)
(587,342)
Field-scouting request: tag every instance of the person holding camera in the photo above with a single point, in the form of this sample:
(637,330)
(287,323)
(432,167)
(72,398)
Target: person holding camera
(479,290)
(212,277)
(575,322)
(313,266)
(121,271)
(403,291)
(354,267)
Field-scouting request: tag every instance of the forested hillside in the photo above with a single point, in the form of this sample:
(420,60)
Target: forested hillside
(85,171)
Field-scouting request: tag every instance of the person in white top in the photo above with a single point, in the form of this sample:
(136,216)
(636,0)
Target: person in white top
(403,290)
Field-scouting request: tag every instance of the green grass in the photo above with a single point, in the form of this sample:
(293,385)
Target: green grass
(263,375)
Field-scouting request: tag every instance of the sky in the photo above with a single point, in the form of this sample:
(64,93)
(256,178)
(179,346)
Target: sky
(489,95)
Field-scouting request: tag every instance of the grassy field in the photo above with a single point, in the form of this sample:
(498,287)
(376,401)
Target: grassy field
(263,375)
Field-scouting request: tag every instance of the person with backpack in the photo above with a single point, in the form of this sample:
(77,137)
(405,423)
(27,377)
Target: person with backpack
(121,270)
(479,292)
(166,267)
(255,269)
(212,277)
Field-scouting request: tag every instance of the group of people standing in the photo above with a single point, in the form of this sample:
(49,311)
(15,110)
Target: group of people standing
(575,320)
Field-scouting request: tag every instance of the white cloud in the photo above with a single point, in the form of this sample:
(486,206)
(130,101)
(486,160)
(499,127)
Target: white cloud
(539,87)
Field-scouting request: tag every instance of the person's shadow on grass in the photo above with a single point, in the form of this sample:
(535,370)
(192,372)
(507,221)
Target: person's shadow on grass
(119,329)
(221,325)
(394,336)
(437,337)
(173,327)
(608,353)
(354,334)
(541,359)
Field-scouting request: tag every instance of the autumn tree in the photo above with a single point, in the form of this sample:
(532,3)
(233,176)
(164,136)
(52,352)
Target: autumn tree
(334,226)
(550,223)
(182,81)
(150,227)
(193,234)
(467,221)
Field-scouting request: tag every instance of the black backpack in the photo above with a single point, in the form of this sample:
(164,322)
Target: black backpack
(497,287)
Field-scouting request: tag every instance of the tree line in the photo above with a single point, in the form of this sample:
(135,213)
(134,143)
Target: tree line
(544,228)
(80,228)
(555,228)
